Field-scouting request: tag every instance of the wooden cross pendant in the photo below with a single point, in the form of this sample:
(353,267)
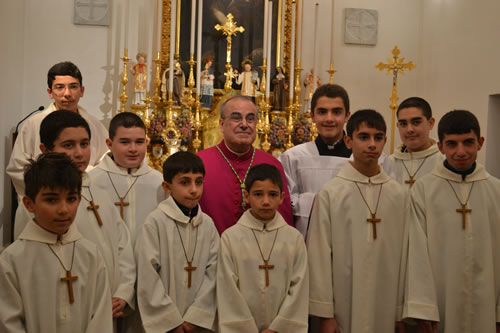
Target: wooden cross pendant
(464,210)
(374,220)
(69,280)
(189,268)
(410,181)
(122,203)
(94,207)
(267,267)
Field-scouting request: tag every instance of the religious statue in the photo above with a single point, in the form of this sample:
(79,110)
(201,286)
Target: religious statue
(309,89)
(179,83)
(158,154)
(249,79)
(140,70)
(280,86)
(207,83)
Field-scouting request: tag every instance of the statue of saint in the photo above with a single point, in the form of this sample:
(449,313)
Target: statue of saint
(139,71)
(207,83)
(249,79)
(280,86)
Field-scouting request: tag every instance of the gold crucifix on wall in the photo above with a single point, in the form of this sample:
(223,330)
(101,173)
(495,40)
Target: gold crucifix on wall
(229,29)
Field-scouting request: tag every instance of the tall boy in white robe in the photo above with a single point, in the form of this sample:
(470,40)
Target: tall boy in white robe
(310,165)
(454,253)
(262,276)
(176,251)
(97,219)
(124,174)
(418,154)
(52,279)
(356,236)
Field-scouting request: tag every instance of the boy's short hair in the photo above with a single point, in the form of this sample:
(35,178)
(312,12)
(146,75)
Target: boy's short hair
(55,122)
(458,122)
(372,118)
(330,91)
(262,172)
(54,171)
(65,68)
(125,119)
(182,162)
(416,102)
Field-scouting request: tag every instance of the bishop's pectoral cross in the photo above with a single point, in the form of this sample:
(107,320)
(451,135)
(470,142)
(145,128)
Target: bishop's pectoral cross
(122,204)
(267,267)
(189,268)
(464,210)
(374,220)
(410,181)
(95,207)
(69,280)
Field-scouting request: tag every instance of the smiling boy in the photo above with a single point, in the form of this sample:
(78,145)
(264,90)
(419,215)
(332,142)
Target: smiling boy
(454,254)
(262,276)
(355,240)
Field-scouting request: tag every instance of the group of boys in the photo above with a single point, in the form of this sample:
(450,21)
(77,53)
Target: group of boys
(123,247)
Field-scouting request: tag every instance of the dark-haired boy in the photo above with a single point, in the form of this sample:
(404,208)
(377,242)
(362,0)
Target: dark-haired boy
(310,165)
(262,276)
(355,240)
(65,87)
(419,153)
(52,279)
(176,251)
(133,186)
(454,254)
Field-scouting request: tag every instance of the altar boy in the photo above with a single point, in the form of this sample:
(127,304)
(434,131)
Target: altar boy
(52,279)
(176,251)
(356,236)
(262,276)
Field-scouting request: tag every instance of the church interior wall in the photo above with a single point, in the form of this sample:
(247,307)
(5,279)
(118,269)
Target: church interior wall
(453,43)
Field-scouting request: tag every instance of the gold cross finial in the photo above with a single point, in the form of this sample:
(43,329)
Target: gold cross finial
(230,27)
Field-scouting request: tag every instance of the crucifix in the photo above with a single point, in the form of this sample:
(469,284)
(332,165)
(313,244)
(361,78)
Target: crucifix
(410,181)
(267,267)
(374,220)
(189,268)
(229,29)
(69,280)
(122,203)
(464,210)
(94,207)
(395,66)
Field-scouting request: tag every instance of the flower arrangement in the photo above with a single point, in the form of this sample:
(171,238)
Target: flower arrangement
(301,130)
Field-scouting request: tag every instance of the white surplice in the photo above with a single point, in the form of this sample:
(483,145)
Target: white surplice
(143,186)
(306,172)
(27,144)
(164,299)
(401,165)
(355,278)
(452,270)
(245,303)
(34,299)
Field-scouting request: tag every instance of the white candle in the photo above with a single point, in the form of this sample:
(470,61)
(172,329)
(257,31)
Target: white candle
(300,29)
(292,60)
(269,38)
(331,33)
(198,48)
(264,37)
(193,20)
(173,15)
(315,51)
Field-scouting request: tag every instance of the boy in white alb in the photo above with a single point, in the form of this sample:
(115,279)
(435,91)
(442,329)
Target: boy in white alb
(454,253)
(133,186)
(262,276)
(52,279)
(176,251)
(419,153)
(356,238)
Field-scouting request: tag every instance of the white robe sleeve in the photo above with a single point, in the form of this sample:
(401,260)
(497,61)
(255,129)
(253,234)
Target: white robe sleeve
(101,317)
(319,248)
(21,153)
(158,312)
(421,297)
(292,316)
(202,311)
(12,316)
(234,313)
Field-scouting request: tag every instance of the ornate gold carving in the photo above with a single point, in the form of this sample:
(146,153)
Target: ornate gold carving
(287,42)
(124,81)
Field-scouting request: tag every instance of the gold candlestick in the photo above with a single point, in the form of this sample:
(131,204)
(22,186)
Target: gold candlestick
(331,71)
(267,128)
(191,81)
(298,70)
(264,72)
(157,82)
(124,81)
(197,125)
(289,126)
